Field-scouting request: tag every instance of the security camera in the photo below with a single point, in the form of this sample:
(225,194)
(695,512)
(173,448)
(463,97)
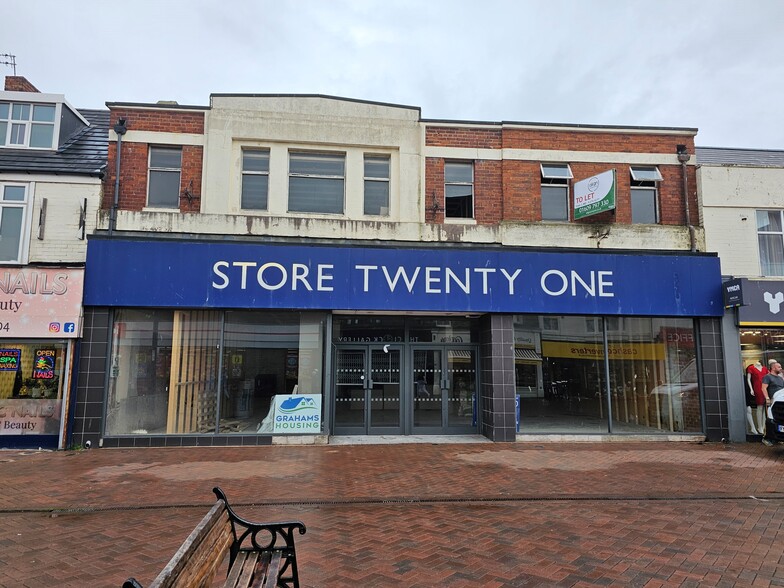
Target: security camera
(88,444)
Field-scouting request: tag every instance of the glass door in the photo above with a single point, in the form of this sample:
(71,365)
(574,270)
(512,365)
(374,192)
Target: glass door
(444,390)
(367,390)
(383,389)
(428,396)
(350,405)
(461,390)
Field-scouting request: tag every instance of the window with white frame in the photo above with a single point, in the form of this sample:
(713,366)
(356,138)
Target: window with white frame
(459,190)
(26,125)
(770,234)
(644,194)
(13,212)
(377,185)
(317,182)
(163,189)
(255,179)
(555,191)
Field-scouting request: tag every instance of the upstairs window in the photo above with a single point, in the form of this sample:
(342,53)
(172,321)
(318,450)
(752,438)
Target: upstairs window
(644,194)
(27,125)
(13,207)
(255,179)
(459,190)
(555,191)
(164,179)
(770,234)
(317,182)
(377,185)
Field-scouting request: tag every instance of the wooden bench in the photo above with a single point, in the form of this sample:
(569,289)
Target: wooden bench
(260,554)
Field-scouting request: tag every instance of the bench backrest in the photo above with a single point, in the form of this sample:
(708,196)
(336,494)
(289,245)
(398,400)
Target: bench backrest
(198,559)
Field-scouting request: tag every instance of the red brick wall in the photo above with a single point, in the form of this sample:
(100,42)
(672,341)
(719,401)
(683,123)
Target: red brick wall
(163,120)
(19,84)
(488,192)
(515,194)
(134,161)
(457,137)
(568,140)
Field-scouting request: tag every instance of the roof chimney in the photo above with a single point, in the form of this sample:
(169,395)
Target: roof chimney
(19,84)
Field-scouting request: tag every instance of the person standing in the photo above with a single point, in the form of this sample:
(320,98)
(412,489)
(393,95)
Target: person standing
(771,383)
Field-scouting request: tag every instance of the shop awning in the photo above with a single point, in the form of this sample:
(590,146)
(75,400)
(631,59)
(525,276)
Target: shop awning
(527,354)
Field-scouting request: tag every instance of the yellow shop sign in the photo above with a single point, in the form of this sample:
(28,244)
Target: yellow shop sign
(573,350)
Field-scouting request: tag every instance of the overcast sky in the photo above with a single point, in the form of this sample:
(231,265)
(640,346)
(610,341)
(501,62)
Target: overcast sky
(716,65)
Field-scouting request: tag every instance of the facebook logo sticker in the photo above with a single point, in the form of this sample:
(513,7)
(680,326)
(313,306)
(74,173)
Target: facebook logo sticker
(69,327)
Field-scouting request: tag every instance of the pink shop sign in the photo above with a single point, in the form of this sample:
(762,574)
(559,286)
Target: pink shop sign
(40,302)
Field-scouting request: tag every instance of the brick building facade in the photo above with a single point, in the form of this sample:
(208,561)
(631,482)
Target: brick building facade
(411,276)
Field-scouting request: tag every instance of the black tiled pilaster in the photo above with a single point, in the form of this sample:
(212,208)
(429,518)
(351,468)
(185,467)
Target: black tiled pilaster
(496,364)
(714,389)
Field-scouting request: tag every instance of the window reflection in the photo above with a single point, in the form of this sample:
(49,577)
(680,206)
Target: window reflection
(560,375)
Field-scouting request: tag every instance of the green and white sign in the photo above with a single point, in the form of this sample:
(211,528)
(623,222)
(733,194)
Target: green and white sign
(297,413)
(594,195)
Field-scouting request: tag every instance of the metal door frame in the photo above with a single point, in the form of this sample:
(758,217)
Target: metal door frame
(445,428)
(368,428)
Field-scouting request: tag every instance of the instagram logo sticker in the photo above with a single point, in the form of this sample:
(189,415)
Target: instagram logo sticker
(54,327)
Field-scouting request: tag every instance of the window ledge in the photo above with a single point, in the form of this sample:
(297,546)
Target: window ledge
(157,209)
(459,221)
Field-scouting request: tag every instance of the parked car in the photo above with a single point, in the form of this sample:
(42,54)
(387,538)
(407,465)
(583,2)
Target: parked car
(774,427)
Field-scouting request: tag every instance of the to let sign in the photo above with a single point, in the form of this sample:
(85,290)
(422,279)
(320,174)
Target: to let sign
(594,195)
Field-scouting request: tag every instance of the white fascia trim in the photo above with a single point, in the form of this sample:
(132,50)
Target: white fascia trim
(555,156)
(157,137)
(41,98)
(50,179)
(32,97)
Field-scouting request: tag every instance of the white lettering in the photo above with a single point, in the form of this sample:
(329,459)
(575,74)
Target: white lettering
(401,271)
(564,282)
(365,269)
(299,273)
(576,278)
(430,279)
(264,284)
(464,286)
(244,265)
(324,277)
(484,271)
(511,279)
(603,283)
(224,277)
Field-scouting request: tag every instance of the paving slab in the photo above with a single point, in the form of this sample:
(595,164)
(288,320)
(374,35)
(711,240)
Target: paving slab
(423,514)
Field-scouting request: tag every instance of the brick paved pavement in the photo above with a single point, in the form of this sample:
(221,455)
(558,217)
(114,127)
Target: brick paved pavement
(411,515)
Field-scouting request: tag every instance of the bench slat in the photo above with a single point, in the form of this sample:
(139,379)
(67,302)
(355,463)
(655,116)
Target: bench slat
(196,561)
(273,570)
(236,570)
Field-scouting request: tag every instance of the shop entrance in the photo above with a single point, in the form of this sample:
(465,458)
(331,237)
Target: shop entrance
(403,390)
(444,395)
(398,375)
(367,390)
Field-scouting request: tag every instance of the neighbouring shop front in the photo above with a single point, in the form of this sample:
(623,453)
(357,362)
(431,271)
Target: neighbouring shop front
(755,335)
(199,337)
(40,317)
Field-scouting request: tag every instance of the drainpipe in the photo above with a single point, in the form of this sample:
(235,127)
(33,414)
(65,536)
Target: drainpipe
(684,157)
(120,128)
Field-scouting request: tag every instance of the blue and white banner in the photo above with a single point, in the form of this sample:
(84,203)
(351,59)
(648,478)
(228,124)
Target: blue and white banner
(236,275)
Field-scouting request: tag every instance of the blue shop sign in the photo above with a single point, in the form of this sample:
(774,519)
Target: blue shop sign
(236,275)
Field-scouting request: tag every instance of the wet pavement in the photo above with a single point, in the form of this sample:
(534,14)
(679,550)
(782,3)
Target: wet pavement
(474,514)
